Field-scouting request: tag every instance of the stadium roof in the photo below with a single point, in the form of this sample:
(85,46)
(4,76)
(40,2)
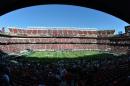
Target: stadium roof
(118,8)
(59,28)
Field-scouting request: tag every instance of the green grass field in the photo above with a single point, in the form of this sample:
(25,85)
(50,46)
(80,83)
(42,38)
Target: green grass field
(52,56)
(61,54)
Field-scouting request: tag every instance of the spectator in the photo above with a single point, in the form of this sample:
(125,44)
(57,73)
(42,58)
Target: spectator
(4,78)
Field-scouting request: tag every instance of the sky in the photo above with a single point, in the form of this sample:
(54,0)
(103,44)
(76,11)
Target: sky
(61,16)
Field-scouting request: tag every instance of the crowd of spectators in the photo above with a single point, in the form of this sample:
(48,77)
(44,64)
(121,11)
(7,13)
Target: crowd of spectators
(65,72)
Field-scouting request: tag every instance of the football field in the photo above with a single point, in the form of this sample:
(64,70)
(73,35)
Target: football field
(51,56)
(61,54)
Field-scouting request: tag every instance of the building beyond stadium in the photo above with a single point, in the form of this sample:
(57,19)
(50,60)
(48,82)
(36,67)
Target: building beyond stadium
(57,39)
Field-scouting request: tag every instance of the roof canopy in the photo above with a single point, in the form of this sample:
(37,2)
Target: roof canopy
(118,8)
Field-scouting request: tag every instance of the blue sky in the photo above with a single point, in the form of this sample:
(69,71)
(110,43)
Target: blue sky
(61,16)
